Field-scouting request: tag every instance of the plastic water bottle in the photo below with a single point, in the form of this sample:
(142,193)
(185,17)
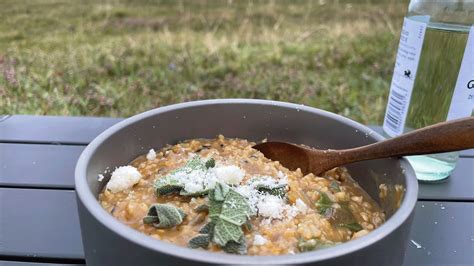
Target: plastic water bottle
(433,79)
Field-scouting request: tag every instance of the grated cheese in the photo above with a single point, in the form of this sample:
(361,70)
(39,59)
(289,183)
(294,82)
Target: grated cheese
(270,206)
(231,174)
(259,240)
(100,178)
(301,206)
(151,155)
(123,178)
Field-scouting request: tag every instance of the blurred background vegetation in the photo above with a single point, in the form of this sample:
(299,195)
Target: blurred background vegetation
(118,58)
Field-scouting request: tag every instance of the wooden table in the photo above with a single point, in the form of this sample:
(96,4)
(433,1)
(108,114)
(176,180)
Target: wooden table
(39,221)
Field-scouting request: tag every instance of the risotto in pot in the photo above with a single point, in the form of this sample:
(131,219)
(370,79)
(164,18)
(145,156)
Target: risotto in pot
(224,196)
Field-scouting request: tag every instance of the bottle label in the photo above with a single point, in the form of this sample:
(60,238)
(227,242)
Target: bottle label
(406,65)
(462,103)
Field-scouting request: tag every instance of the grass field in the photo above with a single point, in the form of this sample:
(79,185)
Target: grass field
(118,58)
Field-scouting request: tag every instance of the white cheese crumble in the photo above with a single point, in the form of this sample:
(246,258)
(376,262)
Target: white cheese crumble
(270,206)
(100,178)
(259,240)
(123,178)
(151,155)
(231,174)
(301,206)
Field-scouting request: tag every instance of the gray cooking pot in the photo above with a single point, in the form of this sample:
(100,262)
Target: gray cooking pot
(109,242)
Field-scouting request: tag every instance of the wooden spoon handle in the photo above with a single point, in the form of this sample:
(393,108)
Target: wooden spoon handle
(442,137)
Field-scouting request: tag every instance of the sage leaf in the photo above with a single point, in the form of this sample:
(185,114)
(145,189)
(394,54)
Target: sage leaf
(229,215)
(225,231)
(200,241)
(324,203)
(195,194)
(220,192)
(207,229)
(235,210)
(169,183)
(239,248)
(164,216)
(354,227)
(215,209)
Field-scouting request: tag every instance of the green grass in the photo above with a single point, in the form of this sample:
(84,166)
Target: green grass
(118,58)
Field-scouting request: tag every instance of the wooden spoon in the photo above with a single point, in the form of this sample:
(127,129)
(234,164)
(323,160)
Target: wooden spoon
(442,137)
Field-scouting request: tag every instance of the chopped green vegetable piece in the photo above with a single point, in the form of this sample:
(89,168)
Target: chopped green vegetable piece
(324,203)
(202,208)
(312,244)
(248,226)
(200,241)
(279,191)
(335,186)
(239,247)
(164,216)
(210,163)
(354,227)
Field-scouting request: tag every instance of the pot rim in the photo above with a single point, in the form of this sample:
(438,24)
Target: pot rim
(91,204)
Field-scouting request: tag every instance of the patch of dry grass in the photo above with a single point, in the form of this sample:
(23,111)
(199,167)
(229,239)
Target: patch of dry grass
(118,58)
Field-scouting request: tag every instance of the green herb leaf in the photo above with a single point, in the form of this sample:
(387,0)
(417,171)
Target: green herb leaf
(210,163)
(195,194)
(239,248)
(200,241)
(164,216)
(169,184)
(335,186)
(235,210)
(324,203)
(354,227)
(312,244)
(220,192)
(225,231)
(279,191)
(194,164)
(228,210)
(207,229)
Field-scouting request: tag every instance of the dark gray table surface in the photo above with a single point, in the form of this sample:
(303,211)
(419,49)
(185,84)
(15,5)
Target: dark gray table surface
(38,217)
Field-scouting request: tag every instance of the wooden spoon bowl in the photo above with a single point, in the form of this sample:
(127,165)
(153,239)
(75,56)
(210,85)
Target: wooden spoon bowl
(442,137)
